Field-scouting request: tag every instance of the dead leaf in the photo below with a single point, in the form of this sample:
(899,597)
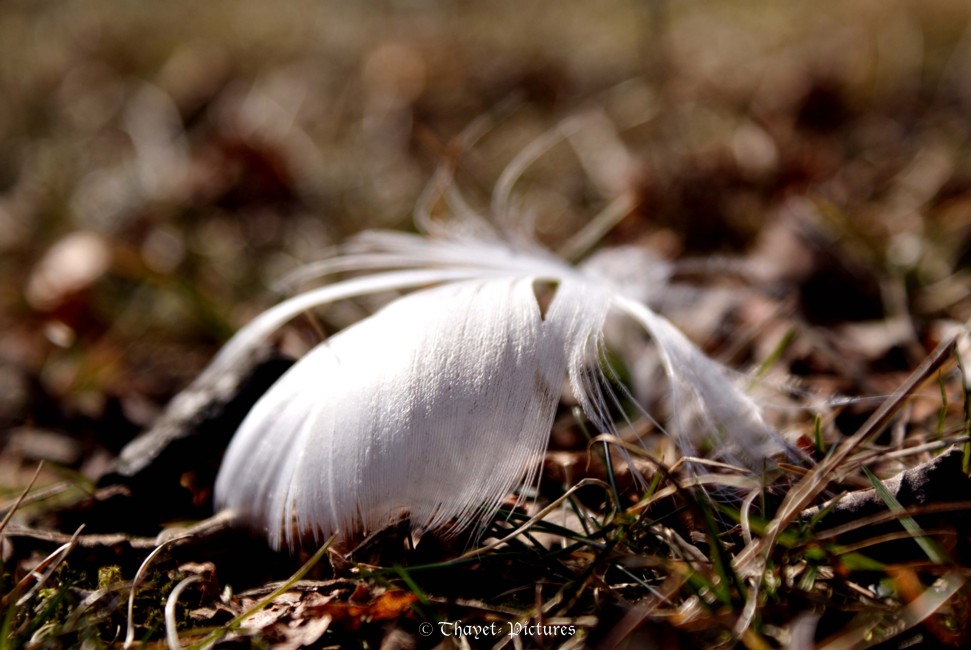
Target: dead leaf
(388,606)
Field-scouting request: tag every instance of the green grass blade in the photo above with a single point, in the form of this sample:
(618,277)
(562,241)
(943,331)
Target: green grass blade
(927,544)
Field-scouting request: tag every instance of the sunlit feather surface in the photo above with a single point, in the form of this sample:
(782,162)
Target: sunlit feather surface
(441,402)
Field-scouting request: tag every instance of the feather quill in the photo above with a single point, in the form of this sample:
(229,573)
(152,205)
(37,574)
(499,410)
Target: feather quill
(440,403)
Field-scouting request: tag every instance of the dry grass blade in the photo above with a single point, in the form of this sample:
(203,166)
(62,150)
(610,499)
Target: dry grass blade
(282,589)
(139,577)
(934,445)
(163,541)
(883,517)
(832,467)
(553,505)
(41,494)
(751,560)
(48,565)
(171,629)
(501,207)
(20,499)
(600,225)
(917,611)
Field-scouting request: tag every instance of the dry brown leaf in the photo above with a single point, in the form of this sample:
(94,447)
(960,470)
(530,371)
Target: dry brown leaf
(388,606)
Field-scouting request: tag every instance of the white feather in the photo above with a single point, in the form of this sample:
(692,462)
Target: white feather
(390,416)
(441,402)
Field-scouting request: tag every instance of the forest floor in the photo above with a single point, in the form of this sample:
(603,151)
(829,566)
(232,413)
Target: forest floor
(803,169)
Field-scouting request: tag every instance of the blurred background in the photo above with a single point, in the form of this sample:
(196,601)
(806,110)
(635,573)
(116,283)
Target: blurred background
(163,165)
